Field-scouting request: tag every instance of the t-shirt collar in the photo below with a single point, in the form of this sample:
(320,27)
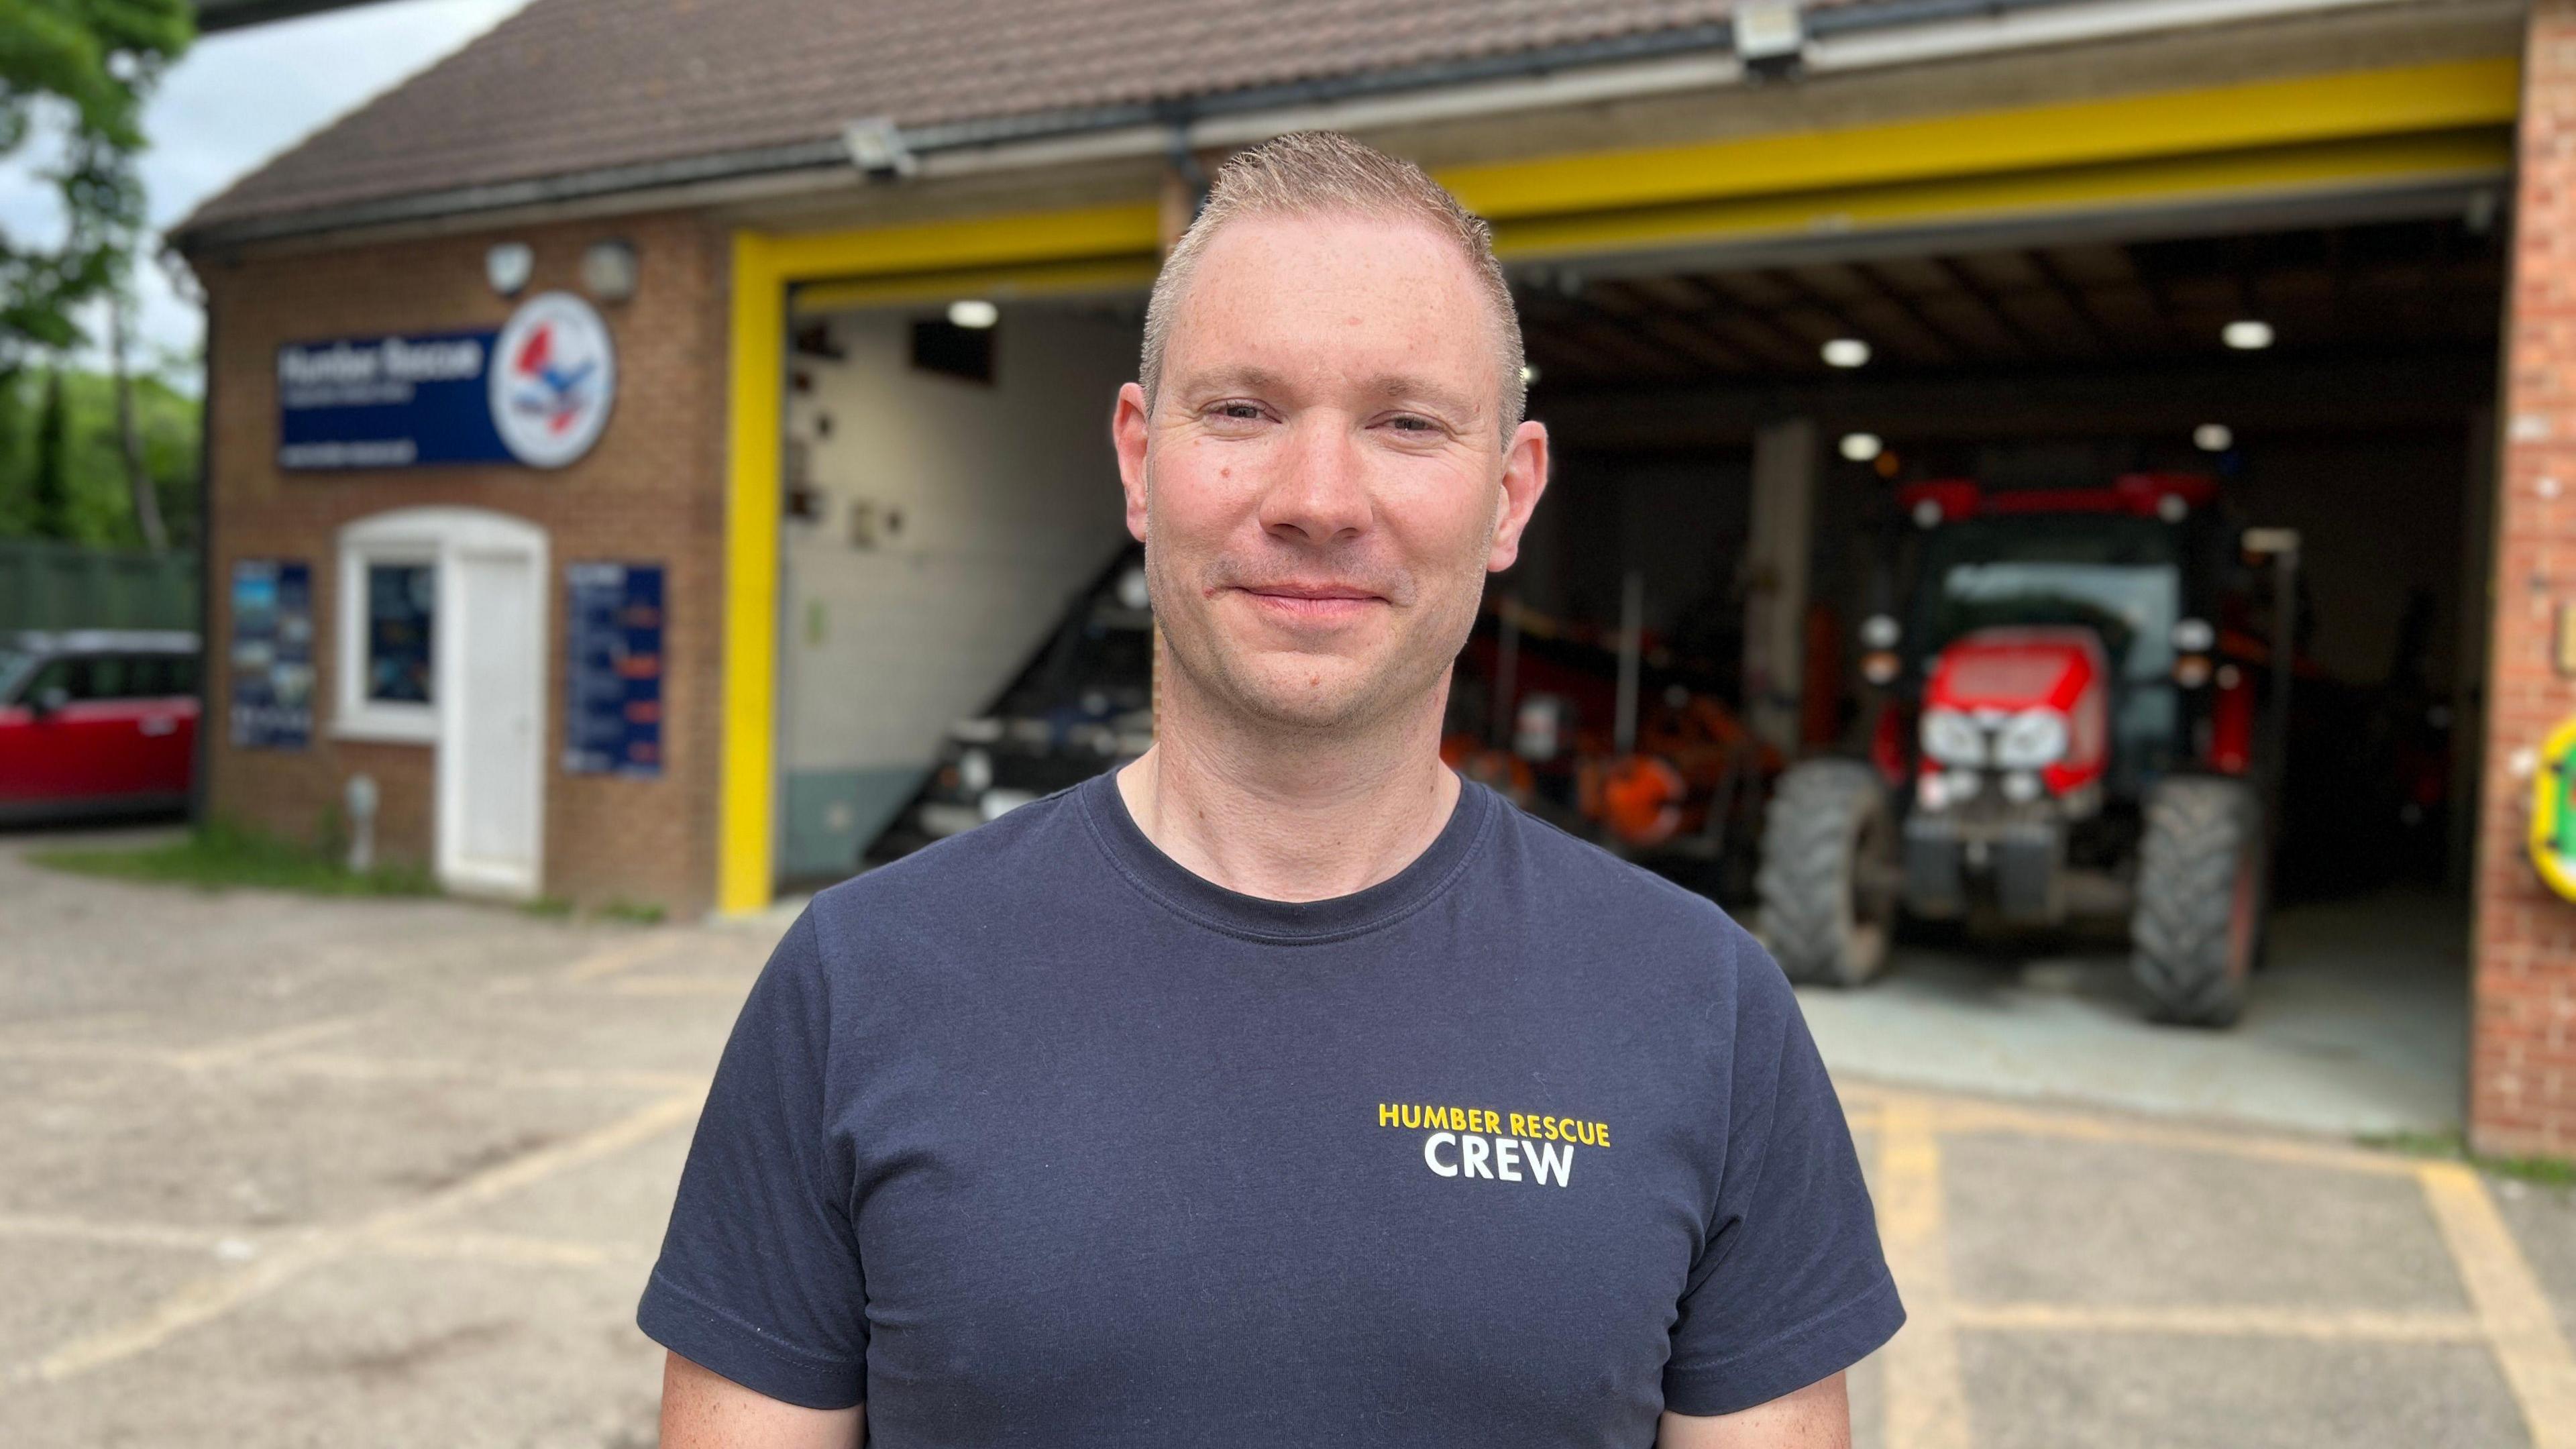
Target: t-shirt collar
(1186,893)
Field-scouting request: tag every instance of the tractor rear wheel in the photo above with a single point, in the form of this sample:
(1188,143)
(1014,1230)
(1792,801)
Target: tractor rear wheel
(1827,879)
(2199,916)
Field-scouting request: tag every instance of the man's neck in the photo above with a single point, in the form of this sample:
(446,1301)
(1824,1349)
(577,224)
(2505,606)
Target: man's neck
(1289,818)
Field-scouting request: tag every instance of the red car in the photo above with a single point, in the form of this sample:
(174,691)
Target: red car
(96,722)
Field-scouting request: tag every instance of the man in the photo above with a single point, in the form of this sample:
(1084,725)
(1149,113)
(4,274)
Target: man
(1281,1087)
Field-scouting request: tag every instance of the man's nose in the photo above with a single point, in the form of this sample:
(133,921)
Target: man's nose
(1321,489)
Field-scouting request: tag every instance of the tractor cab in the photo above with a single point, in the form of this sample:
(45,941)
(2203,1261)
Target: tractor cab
(2057,734)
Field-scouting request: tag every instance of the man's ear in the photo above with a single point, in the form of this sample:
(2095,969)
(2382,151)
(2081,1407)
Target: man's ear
(1128,434)
(1524,479)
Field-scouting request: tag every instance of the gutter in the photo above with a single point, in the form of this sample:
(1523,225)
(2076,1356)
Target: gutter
(1840,38)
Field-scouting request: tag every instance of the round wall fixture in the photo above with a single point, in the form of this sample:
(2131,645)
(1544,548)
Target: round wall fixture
(508,265)
(1846,352)
(608,270)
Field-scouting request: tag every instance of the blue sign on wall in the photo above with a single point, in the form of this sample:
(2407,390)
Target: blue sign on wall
(613,725)
(536,392)
(272,654)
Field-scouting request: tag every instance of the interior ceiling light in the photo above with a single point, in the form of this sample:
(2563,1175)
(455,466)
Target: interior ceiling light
(1861,447)
(2246,334)
(1846,352)
(1529,374)
(973,312)
(2213,437)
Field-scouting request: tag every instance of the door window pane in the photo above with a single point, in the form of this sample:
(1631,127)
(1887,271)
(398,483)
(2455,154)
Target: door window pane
(71,676)
(155,676)
(110,677)
(402,609)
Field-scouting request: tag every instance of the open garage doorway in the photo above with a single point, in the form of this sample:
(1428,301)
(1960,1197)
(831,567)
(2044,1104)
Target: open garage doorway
(950,499)
(1746,440)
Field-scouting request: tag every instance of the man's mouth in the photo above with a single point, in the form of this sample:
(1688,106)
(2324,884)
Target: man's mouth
(1311,603)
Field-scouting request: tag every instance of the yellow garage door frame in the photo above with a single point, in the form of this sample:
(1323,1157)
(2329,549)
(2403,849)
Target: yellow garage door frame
(2329,133)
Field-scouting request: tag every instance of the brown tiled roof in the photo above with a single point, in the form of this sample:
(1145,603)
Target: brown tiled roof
(570,87)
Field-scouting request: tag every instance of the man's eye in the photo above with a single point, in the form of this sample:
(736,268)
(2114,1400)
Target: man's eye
(1239,412)
(1406,423)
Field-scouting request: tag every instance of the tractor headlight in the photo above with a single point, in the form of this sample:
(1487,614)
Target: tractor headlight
(2030,739)
(1952,738)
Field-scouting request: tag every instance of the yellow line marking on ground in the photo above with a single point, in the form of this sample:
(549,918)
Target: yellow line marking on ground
(2520,1324)
(2331,1325)
(134,1235)
(1927,1397)
(340,1067)
(94,1051)
(399,1069)
(1965,1117)
(734,987)
(246,1049)
(211,1298)
(507,1248)
(249,1243)
(610,960)
(1953,1116)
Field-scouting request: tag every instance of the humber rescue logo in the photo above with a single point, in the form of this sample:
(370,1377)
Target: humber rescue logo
(553,375)
(1473,1142)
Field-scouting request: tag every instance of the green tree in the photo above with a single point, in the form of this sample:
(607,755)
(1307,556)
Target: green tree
(64,468)
(80,68)
(50,485)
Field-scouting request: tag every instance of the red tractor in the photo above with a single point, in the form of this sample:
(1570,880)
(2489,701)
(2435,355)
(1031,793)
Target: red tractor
(2063,724)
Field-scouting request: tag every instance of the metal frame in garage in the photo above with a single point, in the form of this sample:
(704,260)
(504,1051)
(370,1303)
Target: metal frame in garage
(2327,135)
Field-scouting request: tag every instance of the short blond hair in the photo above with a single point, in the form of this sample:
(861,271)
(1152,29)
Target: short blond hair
(1311,173)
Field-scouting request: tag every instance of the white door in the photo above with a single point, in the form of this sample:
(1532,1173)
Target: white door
(491,772)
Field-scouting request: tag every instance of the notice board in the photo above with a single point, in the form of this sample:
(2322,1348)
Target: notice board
(271,658)
(613,657)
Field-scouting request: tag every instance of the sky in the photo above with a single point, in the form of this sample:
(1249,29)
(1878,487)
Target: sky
(235,100)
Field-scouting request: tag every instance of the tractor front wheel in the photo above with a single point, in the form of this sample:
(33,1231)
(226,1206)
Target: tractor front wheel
(1827,880)
(2200,905)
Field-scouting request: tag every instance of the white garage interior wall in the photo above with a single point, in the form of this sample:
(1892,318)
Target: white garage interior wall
(953,522)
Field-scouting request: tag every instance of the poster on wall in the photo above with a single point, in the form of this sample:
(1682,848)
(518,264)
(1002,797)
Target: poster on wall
(613,661)
(272,654)
(537,393)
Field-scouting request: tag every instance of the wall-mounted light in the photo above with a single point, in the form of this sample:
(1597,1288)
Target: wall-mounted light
(608,270)
(973,313)
(1846,352)
(2213,437)
(1529,374)
(508,265)
(876,147)
(2246,334)
(1770,35)
(1862,447)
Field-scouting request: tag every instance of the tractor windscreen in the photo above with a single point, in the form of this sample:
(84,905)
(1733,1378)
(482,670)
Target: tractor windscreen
(2120,577)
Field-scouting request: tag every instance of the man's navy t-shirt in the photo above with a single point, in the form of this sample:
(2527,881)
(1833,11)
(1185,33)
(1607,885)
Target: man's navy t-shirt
(1036,1137)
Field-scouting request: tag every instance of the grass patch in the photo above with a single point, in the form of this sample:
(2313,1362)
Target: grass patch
(637,913)
(2451,1146)
(218,856)
(548,908)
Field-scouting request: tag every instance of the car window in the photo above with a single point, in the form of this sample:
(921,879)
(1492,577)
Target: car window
(62,674)
(111,676)
(156,676)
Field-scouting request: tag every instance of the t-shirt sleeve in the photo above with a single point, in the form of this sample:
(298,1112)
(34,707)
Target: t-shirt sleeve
(1791,1286)
(759,1277)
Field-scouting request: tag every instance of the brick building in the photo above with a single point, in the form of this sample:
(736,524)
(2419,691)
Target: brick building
(2040,216)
